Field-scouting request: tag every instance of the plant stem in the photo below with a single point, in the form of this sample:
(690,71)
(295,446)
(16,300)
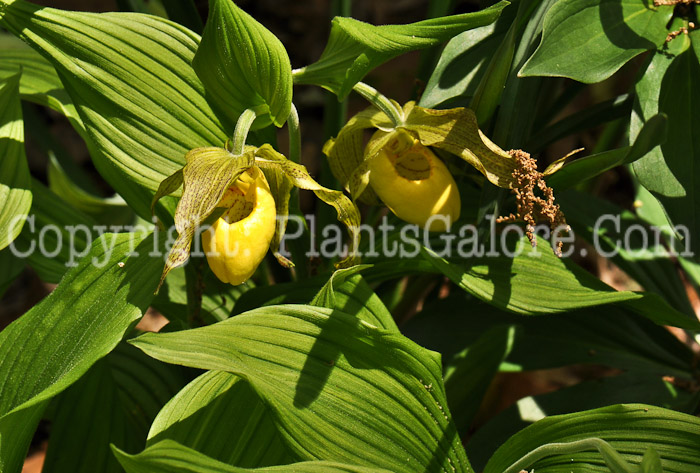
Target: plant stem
(611,456)
(294,135)
(240,134)
(373,96)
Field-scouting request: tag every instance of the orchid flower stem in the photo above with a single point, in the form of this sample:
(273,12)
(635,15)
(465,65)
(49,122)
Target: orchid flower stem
(240,134)
(611,457)
(294,135)
(373,96)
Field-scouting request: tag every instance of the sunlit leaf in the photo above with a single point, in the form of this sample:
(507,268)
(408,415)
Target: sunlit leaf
(355,48)
(324,372)
(15,182)
(244,66)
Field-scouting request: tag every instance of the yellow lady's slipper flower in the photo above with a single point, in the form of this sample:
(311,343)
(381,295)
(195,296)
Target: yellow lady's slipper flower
(398,167)
(238,241)
(414,183)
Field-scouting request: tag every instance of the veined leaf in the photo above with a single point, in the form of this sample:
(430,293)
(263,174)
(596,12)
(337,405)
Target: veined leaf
(15,182)
(668,170)
(219,415)
(589,40)
(39,82)
(130,77)
(628,428)
(348,214)
(355,48)
(16,432)
(325,373)
(171,457)
(114,402)
(244,66)
(56,235)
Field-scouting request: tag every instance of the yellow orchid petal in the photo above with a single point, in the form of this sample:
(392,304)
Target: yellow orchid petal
(238,241)
(414,183)
(457,132)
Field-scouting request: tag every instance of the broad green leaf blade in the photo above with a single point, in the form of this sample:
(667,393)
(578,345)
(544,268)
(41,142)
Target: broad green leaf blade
(668,171)
(131,79)
(114,402)
(348,213)
(628,242)
(355,48)
(463,63)
(589,40)
(325,374)
(16,432)
(349,293)
(579,170)
(219,415)
(625,388)
(106,210)
(244,66)
(39,82)
(206,176)
(535,281)
(171,457)
(15,182)
(55,343)
(56,235)
(628,428)
(473,370)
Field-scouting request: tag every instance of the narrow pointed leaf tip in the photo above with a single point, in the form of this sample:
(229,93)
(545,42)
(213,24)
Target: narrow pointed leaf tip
(206,176)
(354,48)
(244,66)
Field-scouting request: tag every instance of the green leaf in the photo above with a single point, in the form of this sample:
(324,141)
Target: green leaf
(55,236)
(15,182)
(589,40)
(339,388)
(628,428)
(10,267)
(668,170)
(244,66)
(39,82)
(170,457)
(463,63)
(348,292)
(579,170)
(131,79)
(538,282)
(206,176)
(354,48)
(16,433)
(114,402)
(593,394)
(111,210)
(219,415)
(51,346)
(348,214)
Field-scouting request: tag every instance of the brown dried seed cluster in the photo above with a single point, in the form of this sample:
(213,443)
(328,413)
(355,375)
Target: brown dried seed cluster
(680,31)
(658,3)
(533,208)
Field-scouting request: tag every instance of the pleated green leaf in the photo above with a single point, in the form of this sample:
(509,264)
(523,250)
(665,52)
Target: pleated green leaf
(340,389)
(244,66)
(55,236)
(15,182)
(131,79)
(171,457)
(589,40)
(355,48)
(39,82)
(628,428)
(16,433)
(114,402)
(219,415)
(267,157)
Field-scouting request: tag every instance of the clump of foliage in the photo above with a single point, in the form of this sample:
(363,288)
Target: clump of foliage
(363,361)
